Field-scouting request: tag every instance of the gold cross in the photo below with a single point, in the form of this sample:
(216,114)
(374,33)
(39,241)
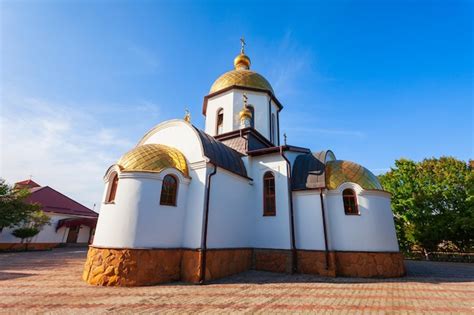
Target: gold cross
(242,45)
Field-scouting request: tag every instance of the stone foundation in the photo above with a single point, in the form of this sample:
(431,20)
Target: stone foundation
(131,267)
(136,267)
(369,264)
(275,260)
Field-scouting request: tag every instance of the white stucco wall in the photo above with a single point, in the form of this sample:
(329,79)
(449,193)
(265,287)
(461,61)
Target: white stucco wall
(231,102)
(48,233)
(177,134)
(271,231)
(230,211)
(192,225)
(372,230)
(136,219)
(309,229)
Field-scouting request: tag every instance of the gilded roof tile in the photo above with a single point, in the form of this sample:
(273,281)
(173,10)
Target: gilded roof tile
(339,172)
(241,77)
(153,158)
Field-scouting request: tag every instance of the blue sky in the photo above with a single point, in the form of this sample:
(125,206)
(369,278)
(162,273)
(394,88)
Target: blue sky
(82,81)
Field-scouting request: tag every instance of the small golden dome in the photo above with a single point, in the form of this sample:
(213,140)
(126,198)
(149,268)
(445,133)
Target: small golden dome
(339,172)
(153,158)
(242,62)
(245,113)
(241,76)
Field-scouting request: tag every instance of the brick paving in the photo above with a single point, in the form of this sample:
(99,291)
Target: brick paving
(50,282)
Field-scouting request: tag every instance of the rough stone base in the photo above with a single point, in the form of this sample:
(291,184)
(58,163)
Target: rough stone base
(314,262)
(136,267)
(275,260)
(369,264)
(31,246)
(131,267)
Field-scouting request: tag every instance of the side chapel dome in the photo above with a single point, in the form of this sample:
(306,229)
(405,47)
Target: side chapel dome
(241,76)
(153,158)
(339,172)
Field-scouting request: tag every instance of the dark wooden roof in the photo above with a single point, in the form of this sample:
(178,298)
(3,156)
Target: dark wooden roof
(244,140)
(221,155)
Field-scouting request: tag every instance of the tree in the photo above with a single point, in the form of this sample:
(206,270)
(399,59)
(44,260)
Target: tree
(31,226)
(14,209)
(432,202)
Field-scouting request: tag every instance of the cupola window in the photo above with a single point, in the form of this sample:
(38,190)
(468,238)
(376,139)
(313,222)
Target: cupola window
(169,191)
(220,122)
(350,202)
(269,204)
(113,188)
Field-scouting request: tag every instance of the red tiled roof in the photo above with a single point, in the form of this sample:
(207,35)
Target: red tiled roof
(26,184)
(53,201)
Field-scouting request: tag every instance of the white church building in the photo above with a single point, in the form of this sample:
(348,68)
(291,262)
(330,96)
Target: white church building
(195,205)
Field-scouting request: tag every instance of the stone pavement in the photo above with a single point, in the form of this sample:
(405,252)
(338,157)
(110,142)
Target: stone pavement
(50,282)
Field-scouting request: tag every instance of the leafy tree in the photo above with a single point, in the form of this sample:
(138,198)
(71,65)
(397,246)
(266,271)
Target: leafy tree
(433,202)
(14,209)
(31,226)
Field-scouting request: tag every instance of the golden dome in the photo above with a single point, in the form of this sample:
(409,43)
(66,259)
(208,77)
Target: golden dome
(242,61)
(153,158)
(339,172)
(243,78)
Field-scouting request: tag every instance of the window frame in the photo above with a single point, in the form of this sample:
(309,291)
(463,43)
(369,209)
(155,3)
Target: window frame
(353,196)
(112,190)
(220,111)
(266,211)
(174,202)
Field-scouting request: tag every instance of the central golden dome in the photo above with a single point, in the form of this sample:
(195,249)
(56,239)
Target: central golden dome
(241,76)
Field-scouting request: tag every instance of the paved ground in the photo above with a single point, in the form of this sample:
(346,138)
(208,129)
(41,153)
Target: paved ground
(39,282)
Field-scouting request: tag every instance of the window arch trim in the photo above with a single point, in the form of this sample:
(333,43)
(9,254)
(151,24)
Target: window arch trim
(112,188)
(349,200)
(269,194)
(219,121)
(169,194)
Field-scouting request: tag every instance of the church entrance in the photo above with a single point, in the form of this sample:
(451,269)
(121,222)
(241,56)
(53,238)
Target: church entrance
(72,235)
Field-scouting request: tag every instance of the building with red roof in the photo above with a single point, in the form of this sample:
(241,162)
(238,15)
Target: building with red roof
(71,222)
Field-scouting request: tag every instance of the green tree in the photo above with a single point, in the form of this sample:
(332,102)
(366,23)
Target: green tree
(433,202)
(31,226)
(14,209)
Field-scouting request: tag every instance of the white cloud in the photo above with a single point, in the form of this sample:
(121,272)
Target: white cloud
(60,146)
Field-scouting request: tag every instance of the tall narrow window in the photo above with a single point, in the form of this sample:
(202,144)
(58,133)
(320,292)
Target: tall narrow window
(350,201)
(272,131)
(169,191)
(269,205)
(113,189)
(252,120)
(220,122)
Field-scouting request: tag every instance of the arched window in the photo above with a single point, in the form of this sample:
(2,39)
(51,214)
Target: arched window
(220,122)
(252,120)
(113,189)
(350,201)
(269,204)
(169,191)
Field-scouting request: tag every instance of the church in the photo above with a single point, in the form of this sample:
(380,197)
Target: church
(194,205)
